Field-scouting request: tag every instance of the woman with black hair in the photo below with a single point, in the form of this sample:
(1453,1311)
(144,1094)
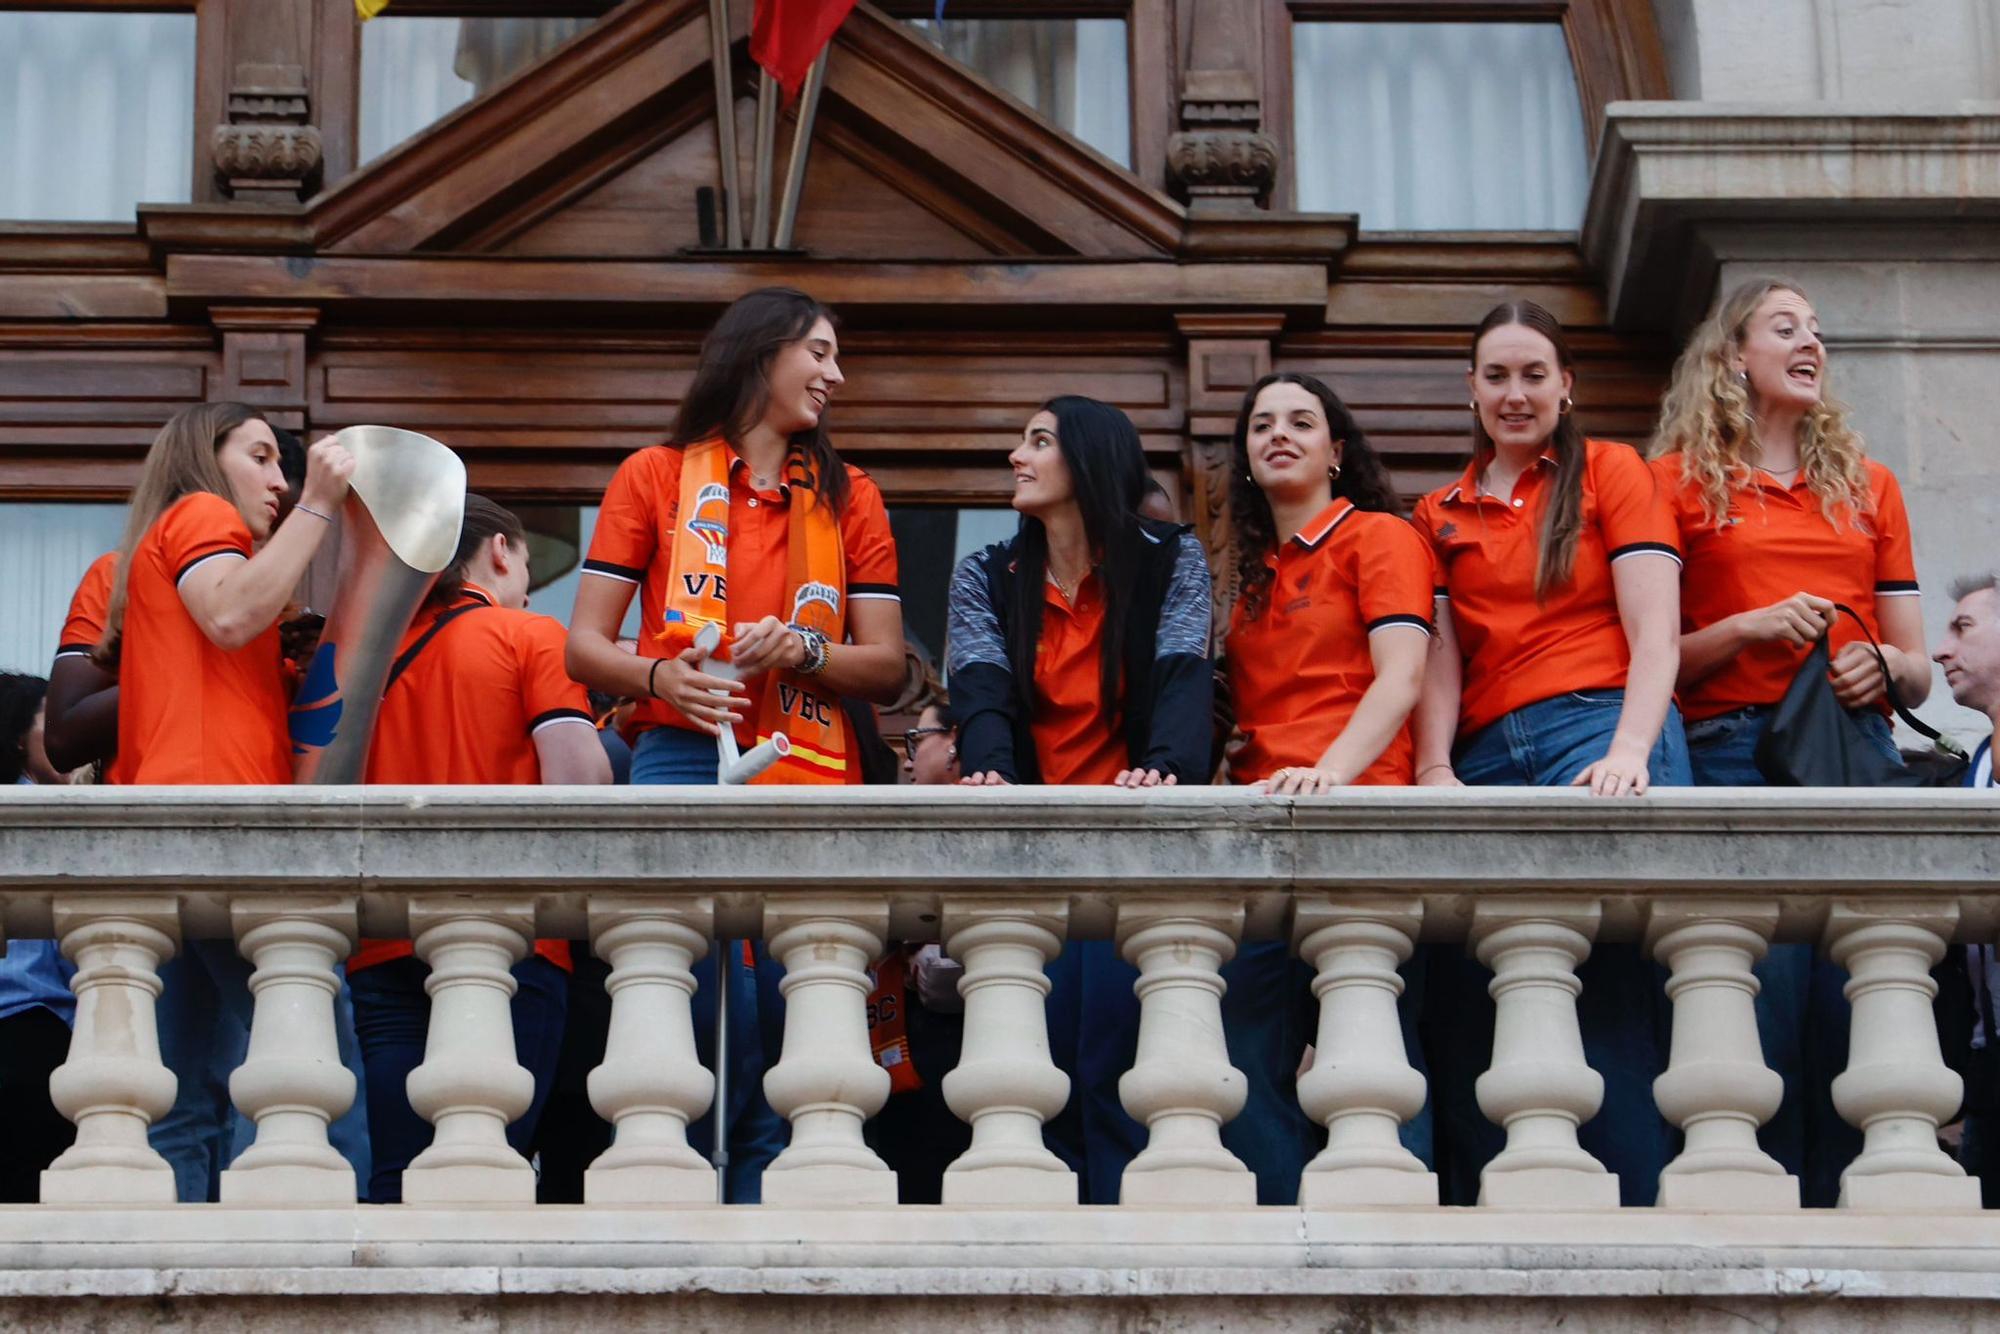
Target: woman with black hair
(748,520)
(1079,647)
(1327,641)
(1078,653)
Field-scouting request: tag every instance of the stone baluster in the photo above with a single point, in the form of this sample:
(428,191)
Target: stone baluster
(1896,1089)
(1539,1086)
(651,1083)
(1181,1085)
(1361,1086)
(827,1083)
(470,1086)
(292,1082)
(1006,1085)
(113,1085)
(1717,1088)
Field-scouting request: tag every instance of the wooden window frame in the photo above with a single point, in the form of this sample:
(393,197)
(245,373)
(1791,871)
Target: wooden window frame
(1614,50)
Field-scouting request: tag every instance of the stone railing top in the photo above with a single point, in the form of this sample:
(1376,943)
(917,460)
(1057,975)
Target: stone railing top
(1089,846)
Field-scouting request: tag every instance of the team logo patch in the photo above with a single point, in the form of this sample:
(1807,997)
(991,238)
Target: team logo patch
(810,593)
(711,522)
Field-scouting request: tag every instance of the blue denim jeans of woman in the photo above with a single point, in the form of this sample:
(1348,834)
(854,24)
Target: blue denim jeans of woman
(204,1015)
(392,1014)
(1622,1011)
(676,755)
(1802,1009)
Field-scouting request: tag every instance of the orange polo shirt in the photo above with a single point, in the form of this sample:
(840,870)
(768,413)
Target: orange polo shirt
(1297,672)
(633,543)
(188,710)
(89,607)
(1518,651)
(1074,740)
(1776,541)
(466,710)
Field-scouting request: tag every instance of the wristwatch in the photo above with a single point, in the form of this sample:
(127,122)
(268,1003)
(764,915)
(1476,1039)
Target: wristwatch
(816,650)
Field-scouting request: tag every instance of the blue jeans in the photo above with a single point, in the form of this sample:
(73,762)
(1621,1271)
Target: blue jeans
(204,1017)
(1802,1009)
(392,1014)
(675,755)
(1267,1020)
(1623,1011)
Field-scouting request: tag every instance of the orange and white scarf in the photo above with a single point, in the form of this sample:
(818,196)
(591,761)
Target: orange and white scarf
(697,595)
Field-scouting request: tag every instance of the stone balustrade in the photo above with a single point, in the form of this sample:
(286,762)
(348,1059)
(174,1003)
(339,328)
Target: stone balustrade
(1528,881)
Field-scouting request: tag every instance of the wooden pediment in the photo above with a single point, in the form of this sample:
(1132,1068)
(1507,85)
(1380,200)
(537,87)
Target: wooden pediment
(597,153)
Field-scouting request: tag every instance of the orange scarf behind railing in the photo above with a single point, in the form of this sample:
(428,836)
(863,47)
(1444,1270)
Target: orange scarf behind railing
(697,594)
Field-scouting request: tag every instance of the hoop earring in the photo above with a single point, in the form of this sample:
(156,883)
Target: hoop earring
(1562,408)
(1472,406)
(1333,473)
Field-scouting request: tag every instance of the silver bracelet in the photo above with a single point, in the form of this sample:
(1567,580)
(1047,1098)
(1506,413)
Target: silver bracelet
(307,509)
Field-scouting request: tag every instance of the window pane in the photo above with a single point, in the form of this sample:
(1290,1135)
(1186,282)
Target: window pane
(558,535)
(45,549)
(1073,71)
(1439,126)
(96,114)
(415,70)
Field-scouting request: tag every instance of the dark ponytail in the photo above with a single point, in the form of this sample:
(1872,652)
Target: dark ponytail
(1562,512)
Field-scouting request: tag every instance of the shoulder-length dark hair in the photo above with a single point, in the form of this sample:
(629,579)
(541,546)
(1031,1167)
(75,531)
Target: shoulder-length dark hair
(1562,511)
(732,382)
(1107,469)
(1363,481)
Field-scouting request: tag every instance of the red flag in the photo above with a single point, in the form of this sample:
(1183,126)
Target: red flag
(786,36)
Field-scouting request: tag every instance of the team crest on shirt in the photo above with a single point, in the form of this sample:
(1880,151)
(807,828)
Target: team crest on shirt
(711,524)
(813,593)
(1447,532)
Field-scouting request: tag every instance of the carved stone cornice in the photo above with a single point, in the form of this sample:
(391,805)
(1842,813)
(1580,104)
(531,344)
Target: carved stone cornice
(1222,167)
(266,151)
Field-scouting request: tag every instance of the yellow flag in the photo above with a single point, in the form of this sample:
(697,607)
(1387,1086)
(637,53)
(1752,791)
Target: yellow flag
(368,9)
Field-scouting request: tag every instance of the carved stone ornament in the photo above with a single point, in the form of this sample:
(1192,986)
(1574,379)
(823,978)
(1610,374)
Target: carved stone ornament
(1222,166)
(267,151)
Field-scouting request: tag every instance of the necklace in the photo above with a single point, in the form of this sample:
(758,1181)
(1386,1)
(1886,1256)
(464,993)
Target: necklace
(1068,590)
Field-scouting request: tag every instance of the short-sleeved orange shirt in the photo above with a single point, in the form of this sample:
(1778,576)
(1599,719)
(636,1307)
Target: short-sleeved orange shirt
(1297,672)
(1518,651)
(88,608)
(639,514)
(188,710)
(466,710)
(1776,541)
(1074,739)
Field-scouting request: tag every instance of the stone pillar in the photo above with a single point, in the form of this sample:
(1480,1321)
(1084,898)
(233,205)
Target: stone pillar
(827,1084)
(113,1085)
(1006,1085)
(1717,1088)
(651,1083)
(1181,1086)
(1361,1086)
(470,1087)
(292,1082)
(1896,1089)
(1539,1086)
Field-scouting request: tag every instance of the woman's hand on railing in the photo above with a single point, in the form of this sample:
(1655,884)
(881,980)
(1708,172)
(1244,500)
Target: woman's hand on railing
(1144,778)
(988,779)
(1621,773)
(1300,782)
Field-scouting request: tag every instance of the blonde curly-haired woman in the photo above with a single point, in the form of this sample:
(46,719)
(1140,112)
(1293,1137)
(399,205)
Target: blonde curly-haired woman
(1782,515)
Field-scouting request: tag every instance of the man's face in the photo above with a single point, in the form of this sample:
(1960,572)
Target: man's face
(1970,652)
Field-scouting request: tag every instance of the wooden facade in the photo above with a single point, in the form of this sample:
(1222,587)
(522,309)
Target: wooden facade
(524,280)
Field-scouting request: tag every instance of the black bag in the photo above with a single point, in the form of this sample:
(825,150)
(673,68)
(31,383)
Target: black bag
(1812,741)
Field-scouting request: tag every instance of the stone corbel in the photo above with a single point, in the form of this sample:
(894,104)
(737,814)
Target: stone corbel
(267,152)
(1219,159)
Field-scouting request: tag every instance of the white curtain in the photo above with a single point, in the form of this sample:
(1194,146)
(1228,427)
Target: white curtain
(1439,126)
(416,70)
(45,548)
(96,114)
(1073,71)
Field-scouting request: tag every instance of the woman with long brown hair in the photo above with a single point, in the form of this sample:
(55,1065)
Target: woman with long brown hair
(745,519)
(1558,619)
(203,575)
(1782,517)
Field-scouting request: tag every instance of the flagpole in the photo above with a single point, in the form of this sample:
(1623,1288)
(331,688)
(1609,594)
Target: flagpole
(795,170)
(725,122)
(767,135)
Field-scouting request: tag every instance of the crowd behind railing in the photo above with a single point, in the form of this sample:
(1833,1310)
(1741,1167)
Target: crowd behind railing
(1734,605)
